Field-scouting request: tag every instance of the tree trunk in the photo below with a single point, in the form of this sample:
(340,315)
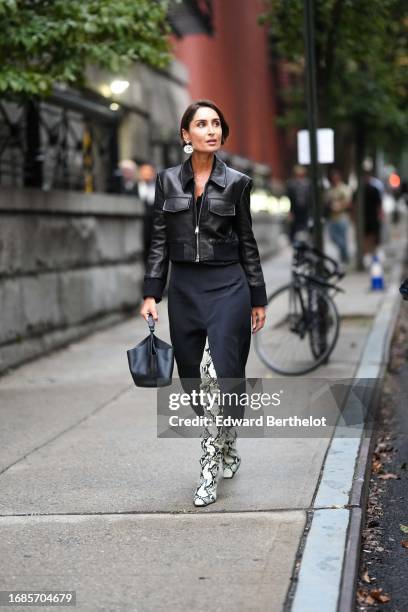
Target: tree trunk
(360,134)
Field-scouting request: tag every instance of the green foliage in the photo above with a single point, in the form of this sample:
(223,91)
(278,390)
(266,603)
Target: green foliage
(362,61)
(48,41)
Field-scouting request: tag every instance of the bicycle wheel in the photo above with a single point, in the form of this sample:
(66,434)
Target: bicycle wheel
(289,342)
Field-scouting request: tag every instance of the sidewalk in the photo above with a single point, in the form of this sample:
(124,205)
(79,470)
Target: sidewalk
(93,501)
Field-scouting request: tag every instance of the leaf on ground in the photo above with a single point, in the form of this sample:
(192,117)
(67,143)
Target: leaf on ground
(378,595)
(404,543)
(377,466)
(404,528)
(384,447)
(366,577)
(363,596)
(388,476)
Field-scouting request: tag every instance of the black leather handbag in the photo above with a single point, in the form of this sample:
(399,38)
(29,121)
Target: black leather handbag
(151,362)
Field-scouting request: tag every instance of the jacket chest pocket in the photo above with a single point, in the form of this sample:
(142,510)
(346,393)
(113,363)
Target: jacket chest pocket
(177,204)
(221,207)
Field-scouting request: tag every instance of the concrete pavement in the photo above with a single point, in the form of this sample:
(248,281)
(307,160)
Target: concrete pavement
(93,501)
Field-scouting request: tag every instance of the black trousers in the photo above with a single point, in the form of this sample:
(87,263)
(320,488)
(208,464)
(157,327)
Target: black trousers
(214,301)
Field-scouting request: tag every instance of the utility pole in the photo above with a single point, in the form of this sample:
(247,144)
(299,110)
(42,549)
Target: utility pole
(311,100)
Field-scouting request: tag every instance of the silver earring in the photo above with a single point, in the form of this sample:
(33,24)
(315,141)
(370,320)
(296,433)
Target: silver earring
(188,148)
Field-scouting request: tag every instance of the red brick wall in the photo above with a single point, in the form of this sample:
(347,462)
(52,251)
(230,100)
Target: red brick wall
(232,69)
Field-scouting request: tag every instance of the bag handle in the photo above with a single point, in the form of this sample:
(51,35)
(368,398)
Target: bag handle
(150,322)
(153,354)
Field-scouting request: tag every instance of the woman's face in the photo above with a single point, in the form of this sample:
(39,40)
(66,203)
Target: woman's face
(205,131)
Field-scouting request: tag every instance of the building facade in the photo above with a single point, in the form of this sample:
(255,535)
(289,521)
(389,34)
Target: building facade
(234,68)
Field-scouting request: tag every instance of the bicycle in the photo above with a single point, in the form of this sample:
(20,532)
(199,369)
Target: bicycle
(303,323)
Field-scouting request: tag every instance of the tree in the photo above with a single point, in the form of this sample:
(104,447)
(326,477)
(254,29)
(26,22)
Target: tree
(362,64)
(43,42)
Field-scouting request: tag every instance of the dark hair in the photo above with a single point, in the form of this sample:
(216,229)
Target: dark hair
(191,111)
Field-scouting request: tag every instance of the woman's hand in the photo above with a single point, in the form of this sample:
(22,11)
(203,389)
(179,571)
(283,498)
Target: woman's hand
(258,318)
(149,307)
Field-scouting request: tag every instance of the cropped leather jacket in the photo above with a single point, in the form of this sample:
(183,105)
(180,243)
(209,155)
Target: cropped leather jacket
(220,231)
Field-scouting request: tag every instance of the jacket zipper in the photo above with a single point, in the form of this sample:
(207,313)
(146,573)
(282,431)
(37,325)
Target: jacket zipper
(197,229)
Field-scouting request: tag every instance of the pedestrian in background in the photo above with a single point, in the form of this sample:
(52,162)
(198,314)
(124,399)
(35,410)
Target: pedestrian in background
(146,180)
(372,198)
(338,204)
(299,194)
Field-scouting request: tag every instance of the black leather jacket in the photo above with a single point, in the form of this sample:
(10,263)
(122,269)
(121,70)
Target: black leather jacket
(222,232)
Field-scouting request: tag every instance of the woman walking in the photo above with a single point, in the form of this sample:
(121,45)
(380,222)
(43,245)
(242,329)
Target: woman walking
(202,224)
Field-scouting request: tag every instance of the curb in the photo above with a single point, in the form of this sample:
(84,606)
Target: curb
(330,561)
(361,483)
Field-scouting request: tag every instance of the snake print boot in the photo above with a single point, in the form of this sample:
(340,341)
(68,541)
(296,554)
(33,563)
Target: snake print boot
(211,461)
(230,457)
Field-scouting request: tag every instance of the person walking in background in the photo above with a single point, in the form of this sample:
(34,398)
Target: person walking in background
(146,180)
(372,198)
(203,225)
(338,203)
(299,194)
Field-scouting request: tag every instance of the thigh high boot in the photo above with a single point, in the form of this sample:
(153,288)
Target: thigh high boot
(212,444)
(230,456)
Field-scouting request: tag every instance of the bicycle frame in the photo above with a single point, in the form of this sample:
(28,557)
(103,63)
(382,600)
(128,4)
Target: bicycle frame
(308,316)
(310,257)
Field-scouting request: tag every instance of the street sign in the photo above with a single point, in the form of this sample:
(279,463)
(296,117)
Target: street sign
(325,146)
